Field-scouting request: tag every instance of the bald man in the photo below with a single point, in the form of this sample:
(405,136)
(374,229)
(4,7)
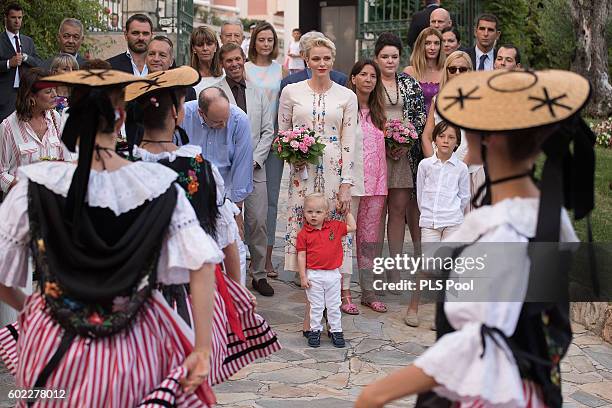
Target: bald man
(440,19)
(223,131)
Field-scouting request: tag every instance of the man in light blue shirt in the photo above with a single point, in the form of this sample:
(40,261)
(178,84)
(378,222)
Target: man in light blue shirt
(224,133)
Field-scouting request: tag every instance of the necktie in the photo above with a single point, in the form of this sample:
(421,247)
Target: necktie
(483,58)
(17,45)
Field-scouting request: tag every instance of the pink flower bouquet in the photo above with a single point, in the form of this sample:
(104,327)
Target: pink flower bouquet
(298,144)
(400,134)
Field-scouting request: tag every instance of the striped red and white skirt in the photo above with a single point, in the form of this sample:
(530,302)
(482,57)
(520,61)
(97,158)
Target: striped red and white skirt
(240,336)
(119,370)
(122,370)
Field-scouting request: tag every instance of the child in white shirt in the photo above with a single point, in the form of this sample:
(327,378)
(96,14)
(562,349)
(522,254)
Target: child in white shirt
(443,186)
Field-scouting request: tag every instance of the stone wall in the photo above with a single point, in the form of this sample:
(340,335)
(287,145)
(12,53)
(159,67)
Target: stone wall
(595,316)
(104,45)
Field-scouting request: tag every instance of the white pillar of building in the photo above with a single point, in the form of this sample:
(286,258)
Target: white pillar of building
(292,20)
(243,6)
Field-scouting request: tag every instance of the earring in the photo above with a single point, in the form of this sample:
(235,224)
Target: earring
(32,103)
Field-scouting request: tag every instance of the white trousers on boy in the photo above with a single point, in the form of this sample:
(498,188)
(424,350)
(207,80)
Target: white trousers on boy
(437,234)
(324,292)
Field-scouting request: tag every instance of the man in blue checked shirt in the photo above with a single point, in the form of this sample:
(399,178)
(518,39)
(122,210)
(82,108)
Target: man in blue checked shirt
(224,133)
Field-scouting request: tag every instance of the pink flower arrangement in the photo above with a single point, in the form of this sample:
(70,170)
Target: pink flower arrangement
(400,134)
(298,144)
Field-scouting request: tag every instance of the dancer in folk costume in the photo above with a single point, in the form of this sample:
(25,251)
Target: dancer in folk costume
(506,349)
(103,234)
(239,335)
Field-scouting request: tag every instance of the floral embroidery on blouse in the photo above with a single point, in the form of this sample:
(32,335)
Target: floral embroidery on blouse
(189,179)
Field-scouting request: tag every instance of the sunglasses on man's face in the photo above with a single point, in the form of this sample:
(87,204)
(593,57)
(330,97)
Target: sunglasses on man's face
(453,70)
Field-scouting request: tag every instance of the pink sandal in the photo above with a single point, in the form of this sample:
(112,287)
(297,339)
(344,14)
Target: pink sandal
(375,305)
(349,307)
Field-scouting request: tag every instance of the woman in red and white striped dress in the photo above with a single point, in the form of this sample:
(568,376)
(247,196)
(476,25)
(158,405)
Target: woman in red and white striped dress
(108,233)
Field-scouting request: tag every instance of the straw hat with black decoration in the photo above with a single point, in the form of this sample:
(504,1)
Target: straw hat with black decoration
(510,117)
(154,102)
(96,107)
(536,111)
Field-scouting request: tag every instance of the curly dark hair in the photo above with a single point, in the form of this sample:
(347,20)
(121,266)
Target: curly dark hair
(385,39)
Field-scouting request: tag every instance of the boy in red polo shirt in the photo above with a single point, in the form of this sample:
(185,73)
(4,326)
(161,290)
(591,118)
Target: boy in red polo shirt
(319,246)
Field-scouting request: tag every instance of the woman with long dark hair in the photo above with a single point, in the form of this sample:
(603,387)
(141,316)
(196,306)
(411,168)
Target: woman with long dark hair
(364,80)
(403,100)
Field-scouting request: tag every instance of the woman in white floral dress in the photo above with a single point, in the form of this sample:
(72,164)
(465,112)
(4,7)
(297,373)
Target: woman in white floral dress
(331,111)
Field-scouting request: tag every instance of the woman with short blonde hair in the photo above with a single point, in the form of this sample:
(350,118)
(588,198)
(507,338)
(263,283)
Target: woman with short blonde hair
(320,42)
(452,57)
(62,64)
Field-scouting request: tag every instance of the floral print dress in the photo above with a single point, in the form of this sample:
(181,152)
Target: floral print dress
(333,116)
(402,173)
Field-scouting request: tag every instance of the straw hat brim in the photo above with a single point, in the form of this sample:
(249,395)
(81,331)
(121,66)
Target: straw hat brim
(173,78)
(95,78)
(511,100)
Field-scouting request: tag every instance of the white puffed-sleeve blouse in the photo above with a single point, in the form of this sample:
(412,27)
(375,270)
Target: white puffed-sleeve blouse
(120,191)
(455,361)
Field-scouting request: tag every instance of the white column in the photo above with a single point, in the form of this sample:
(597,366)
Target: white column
(243,5)
(292,20)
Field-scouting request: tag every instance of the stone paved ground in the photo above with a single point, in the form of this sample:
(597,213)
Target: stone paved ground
(377,344)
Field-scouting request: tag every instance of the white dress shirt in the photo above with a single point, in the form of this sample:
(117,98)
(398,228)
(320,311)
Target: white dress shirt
(138,73)
(443,191)
(11,37)
(488,64)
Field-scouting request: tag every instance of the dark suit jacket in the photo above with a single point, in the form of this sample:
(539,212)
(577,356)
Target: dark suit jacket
(7,75)
(121,62)
(419,22)
(191,94)
(472,53)
(336,76)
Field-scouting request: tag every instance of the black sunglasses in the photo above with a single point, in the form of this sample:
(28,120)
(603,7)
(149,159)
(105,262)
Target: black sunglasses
(453,70)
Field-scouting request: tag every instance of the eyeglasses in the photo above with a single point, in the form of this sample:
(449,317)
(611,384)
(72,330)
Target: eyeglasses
(453,70)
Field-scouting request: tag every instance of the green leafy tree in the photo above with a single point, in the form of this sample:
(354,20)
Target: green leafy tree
(42,19)
(556,35)
(513,16)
